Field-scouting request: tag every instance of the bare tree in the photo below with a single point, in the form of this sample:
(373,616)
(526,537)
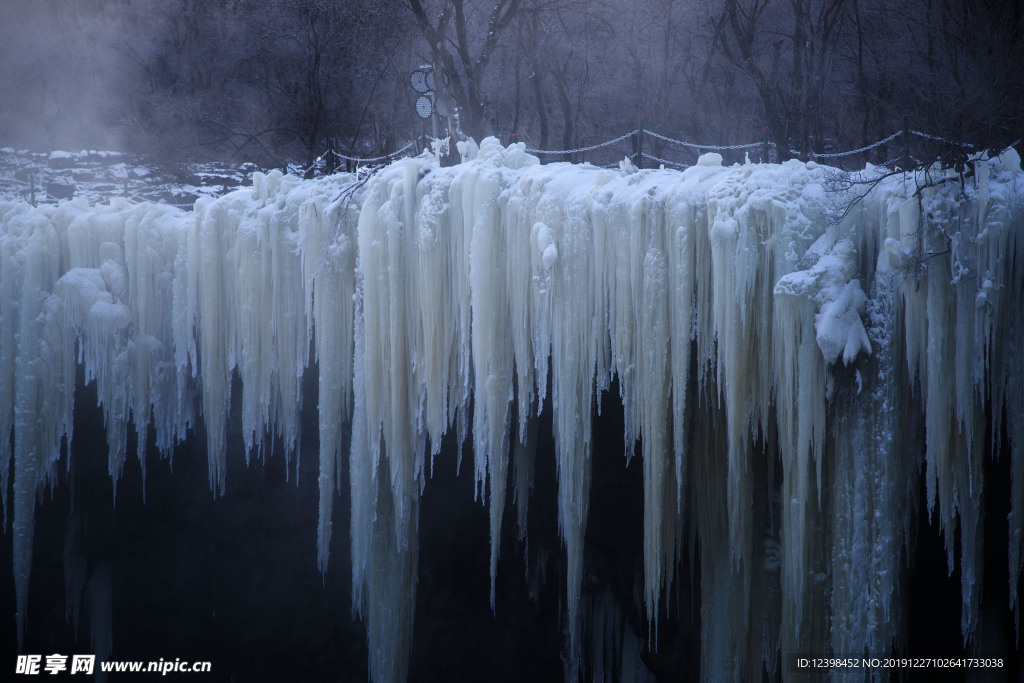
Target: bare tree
(272,80)
(760,39)
(462,38)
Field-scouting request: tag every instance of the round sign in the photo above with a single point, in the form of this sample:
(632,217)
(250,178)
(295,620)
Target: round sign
(423,106)
(429,81)
(418,81)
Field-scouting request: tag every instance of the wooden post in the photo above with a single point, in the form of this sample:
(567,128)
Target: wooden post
(32,188)
(906,139)
(332,161)
(765,158)
(640,144)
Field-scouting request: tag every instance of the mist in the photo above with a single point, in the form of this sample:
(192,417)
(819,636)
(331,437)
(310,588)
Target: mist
(65,82)
(272,82)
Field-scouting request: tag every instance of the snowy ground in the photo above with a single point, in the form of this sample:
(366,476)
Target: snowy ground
(100,175)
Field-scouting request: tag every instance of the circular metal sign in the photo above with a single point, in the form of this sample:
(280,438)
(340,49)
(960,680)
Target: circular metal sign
(418,81)
(429,81)
(424,107)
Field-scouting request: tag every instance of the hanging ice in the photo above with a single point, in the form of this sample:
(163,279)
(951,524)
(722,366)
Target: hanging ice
(787,374)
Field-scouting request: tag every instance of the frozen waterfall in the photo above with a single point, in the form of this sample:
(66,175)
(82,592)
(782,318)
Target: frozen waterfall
(793,347)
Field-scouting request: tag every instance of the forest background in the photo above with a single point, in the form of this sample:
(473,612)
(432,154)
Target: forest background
(269,81)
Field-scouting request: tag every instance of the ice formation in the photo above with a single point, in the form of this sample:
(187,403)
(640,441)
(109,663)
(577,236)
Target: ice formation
(788,371)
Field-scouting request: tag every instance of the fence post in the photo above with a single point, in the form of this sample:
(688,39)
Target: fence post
(332,161)
(906,139)
(125,184)
(640,144)
(32,188)
(764,154)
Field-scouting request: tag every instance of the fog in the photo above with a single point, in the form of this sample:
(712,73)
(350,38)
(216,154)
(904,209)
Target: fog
(64,81)
(271,81)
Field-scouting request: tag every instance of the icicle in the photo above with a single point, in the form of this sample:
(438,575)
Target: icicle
(38,389)
(491,338)
(362,471)
(327,222)
(10,282)
(383,455)
(439,253)
(209,303)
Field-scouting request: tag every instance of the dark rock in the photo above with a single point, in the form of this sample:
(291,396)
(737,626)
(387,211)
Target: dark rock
(208,180)
(60,191)
(183,200)
(59,162)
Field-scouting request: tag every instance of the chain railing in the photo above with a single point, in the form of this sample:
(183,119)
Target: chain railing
(580,150)
(637,155)
(868,148)
(696,146)
(770,149)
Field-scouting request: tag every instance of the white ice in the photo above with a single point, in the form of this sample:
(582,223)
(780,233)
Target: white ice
(786,374)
